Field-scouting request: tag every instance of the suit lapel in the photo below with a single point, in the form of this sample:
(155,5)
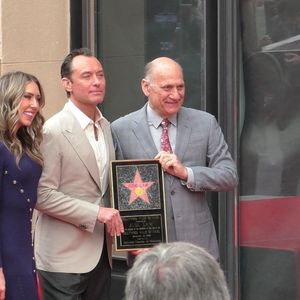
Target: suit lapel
(142,132)
(108,140)
(80,144)
(184,130)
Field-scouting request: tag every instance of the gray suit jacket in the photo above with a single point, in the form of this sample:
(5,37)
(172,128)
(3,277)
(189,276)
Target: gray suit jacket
(68,237)
(200,145)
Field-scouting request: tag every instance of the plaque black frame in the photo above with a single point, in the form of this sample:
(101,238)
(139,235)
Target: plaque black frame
(144,216)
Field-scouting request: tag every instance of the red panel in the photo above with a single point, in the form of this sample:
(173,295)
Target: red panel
(270,223)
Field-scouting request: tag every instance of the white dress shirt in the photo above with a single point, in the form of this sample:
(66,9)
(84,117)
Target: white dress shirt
(97,142)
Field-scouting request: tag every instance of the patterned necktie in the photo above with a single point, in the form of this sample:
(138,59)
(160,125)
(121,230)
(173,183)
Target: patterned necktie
(165,142)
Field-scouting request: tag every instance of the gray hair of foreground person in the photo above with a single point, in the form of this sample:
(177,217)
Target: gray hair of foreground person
(177,271)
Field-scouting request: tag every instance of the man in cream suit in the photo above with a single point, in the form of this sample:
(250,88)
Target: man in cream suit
(75,223)
(199,160)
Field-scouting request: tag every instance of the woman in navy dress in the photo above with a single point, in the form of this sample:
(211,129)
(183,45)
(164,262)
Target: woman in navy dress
(21,99)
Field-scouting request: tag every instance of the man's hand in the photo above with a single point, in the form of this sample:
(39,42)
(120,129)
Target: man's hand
(172,165)
(138,251)
(112,219)
(2,285)
(291,58)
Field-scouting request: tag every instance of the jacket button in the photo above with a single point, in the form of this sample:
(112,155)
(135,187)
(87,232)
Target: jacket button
(173,193)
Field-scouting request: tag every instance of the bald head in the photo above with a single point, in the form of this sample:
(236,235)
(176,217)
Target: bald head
(161,64)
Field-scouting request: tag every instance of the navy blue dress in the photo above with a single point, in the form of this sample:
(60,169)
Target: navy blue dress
(18,195)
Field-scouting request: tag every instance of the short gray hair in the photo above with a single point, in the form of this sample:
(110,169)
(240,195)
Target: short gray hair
(177,271)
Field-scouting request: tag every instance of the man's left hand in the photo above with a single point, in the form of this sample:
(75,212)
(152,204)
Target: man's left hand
(172,165)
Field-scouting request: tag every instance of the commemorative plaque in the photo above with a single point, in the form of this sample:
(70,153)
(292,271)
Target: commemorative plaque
(138,194)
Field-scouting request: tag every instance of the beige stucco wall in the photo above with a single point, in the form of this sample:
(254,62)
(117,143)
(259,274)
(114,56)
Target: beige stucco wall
(34,37)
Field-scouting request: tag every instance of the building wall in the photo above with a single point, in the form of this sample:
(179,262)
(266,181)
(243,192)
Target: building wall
(122,44)
(34,38)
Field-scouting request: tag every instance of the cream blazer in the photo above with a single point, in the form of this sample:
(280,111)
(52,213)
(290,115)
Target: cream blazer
(67,236)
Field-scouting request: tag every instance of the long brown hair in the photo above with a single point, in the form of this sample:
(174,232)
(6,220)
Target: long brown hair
(25,139)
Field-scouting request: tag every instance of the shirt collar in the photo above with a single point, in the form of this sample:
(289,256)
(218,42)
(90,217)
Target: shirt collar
(155,119)
(82,118)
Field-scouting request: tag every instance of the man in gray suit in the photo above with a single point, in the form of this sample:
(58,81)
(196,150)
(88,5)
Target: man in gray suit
(75,223)
(198,160)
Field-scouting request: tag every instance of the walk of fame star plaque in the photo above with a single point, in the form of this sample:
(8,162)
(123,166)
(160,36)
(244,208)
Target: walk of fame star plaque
(138,193)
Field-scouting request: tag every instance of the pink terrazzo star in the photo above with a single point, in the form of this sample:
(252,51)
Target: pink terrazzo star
(138,188)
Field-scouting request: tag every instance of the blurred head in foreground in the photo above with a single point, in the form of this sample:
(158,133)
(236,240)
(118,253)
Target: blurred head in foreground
(176,270)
